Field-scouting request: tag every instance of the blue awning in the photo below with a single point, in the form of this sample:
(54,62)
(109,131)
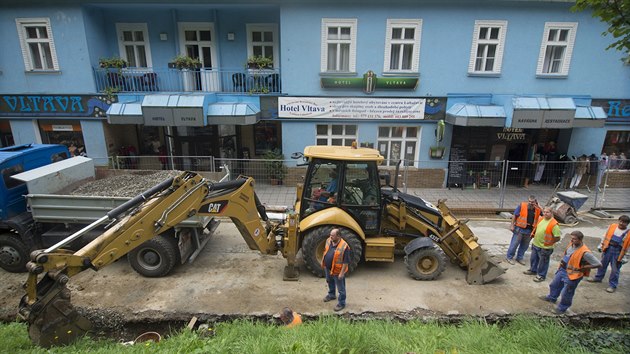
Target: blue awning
(544,103)
(125,113)
(543,112)
(476,115)
(233,113)
(590,117)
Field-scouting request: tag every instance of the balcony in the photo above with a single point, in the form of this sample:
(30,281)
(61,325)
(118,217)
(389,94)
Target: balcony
(143,80)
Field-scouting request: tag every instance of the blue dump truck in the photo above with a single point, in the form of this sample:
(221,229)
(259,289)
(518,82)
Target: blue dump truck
(36,211)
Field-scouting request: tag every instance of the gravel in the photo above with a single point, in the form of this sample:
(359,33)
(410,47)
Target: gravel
(127,185)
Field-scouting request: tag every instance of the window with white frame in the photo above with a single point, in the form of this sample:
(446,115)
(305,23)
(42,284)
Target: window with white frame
(262,40)
(486,53)
(556,48)
(402,45)
(339,44)
(133,43)
(336,134)
(36,41)
(398,143)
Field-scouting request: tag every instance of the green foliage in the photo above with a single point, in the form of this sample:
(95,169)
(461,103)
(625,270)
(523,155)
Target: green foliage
(185,62)
(616,13)
(274,164)
(113,62)
(259,62)
(329,334)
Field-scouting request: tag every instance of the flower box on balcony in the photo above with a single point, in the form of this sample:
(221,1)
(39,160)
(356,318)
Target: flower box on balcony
(182,62)
(259,62)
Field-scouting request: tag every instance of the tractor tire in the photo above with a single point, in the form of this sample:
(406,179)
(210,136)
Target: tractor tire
(156,257)
(14,254)
(426,263)
(315,243)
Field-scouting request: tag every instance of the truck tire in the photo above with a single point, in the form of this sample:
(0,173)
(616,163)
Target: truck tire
(426,263)
(156,257)
(315,243)
(14,253)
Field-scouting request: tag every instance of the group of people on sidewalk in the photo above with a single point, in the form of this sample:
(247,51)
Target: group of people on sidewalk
(535,224)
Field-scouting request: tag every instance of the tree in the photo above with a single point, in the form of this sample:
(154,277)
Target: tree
(617,14)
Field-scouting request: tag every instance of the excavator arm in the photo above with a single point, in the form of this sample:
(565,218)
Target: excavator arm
(46,306)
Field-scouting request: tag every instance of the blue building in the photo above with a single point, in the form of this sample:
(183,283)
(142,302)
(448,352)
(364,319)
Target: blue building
(507,77)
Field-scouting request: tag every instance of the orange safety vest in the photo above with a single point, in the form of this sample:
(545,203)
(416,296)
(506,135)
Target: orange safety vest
(521,220)
(297,320)
(608,237)
(575,263)
(549,238)
(338,256)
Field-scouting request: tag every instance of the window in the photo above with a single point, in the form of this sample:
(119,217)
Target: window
(336,134)
(486,53)
(38,47)
(133,43)
(396,143)
(402,46)
(556,49)
(10,171)
(339,44)
(197,41)
(262,41)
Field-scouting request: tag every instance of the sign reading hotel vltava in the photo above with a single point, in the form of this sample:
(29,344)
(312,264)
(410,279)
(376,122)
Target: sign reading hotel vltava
(351,107)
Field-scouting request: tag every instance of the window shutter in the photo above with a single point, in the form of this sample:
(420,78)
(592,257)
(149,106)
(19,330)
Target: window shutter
(353,46)
(23,45)
(570,45)
(498,61)
(415,65)
(324,57)
(543,47)
(473,48)
(52,46)
(388,46)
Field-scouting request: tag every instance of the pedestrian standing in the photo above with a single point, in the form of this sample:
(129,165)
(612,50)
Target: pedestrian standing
(613,247)
(525,217)
(545,234)
(335,264)
(576,262)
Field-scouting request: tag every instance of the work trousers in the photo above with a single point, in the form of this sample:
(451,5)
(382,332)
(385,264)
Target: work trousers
(563,287)
(610,257)
(539,262)
(519,243)
(340,285)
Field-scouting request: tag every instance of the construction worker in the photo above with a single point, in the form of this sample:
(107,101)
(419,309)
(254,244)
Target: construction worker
(290,318)
(576,262)
(614,248)
(545,234)
(525,217)
(335,264)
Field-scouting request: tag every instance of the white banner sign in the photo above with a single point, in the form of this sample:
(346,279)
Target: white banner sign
(61,128)
(348,107)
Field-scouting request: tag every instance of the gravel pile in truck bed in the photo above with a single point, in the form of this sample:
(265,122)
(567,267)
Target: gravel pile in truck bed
(127,185)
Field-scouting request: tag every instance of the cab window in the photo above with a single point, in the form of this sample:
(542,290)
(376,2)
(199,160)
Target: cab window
(10,171)
(323,185)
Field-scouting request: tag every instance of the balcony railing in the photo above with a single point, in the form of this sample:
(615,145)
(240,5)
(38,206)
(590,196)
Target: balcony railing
(132,80)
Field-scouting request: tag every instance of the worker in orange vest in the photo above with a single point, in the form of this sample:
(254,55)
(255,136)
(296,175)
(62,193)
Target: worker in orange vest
(576,263)
(335,264)
(545,234)
(525,217)
(290,318)
(614,248)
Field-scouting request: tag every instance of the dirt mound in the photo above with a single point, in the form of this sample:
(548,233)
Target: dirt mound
(127,185)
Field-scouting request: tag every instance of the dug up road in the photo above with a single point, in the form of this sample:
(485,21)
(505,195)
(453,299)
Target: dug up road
(228,280)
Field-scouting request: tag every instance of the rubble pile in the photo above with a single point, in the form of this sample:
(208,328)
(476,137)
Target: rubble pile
(127,185)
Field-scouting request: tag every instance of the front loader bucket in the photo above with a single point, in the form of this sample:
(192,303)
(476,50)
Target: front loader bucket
(57,323)
(483,269)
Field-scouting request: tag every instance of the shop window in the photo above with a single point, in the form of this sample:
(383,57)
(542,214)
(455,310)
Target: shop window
(38,47)
(617,147)
(67,133)
(336,134)
(133,43)
(10,171)
(402,46)
(398,143)
(486,53)
(339,43)
(556,49)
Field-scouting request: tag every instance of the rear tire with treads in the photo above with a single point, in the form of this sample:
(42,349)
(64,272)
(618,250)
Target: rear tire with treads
(315,243)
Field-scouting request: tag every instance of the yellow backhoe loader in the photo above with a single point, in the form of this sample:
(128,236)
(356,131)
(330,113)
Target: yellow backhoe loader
(342,188)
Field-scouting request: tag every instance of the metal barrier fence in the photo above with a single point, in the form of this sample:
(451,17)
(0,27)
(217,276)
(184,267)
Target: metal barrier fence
(480,185)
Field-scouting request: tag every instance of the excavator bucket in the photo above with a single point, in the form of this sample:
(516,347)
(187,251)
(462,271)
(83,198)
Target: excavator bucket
(484,269)
(52,320)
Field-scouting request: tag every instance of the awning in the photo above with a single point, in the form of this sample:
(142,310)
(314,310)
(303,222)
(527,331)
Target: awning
(476,115)
(125,113)
(174,110)
(590,117)
(233,113)
(543,112)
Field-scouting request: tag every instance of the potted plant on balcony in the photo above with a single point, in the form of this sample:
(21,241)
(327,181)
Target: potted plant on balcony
(274,164)
(113,62)
(259,62)
(183,62)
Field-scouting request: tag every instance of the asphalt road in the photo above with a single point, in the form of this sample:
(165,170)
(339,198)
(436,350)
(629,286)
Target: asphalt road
(229,279)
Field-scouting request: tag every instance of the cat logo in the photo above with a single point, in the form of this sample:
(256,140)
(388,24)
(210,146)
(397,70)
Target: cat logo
(214,208)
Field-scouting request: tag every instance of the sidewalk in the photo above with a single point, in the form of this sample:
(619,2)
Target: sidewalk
(609,198)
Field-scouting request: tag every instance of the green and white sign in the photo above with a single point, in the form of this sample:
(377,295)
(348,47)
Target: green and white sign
(369,82)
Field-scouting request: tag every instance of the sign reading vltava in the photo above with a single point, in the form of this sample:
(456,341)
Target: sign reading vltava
(55,106)
(351,107)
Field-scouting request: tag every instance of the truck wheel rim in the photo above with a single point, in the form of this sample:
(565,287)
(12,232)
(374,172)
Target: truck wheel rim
(427,265)
(9,255)
(149,259)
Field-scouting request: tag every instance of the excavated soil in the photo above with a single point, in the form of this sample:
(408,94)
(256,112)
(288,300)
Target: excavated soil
(125,185)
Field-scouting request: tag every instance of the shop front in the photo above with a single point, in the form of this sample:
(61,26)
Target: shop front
(616,144)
